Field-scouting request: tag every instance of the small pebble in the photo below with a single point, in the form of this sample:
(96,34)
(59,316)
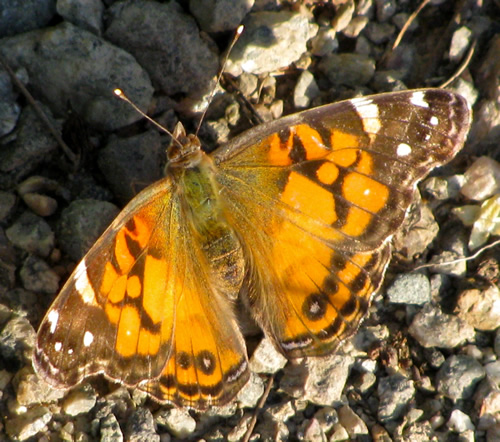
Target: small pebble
(433,328)
(458,377)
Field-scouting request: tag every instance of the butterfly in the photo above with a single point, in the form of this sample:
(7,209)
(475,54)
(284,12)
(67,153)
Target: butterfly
(293,218)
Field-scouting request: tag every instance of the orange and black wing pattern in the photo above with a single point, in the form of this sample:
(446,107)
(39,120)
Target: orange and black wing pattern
(318,196)
(141,309)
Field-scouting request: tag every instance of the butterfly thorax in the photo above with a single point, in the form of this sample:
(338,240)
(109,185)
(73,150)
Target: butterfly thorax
(194,174)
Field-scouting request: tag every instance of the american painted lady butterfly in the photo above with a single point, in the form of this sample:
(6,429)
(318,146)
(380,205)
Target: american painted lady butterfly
(294,216)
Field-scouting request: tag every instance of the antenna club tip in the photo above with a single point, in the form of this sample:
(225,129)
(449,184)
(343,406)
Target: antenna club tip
(239,29)
(118,92)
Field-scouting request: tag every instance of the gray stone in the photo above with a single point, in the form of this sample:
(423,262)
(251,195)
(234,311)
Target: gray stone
(433,328)
(87,15)
(25,15)
(167,43)
(140,427)
(36,275)
(110,429)
(273,425)
(352,423)
(482,179)
(7,204)
(443,188)
(9,109)
(480,307)
(131,164)
(343,15)
(460,422)
(459,376)
(379,33)
(31,234)
(434,357)
(395,393)
(460,43)
(81,223)
(327,378)
(266,359)
(493,371)
(7,273)
(324,42)
(385,9)
(178,421)
(414,240)
(412,288)
(31,389)
(236,434)
(389,80)
(69,65)
(347,69)
(250,394)
(220,15)
(29,424)
(496,345)
(32,145)
(271,41)
(79,401)
(449,263)
(305,90)
(401,19)
(17,340)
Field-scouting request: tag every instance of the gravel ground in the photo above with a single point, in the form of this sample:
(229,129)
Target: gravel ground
(425,364)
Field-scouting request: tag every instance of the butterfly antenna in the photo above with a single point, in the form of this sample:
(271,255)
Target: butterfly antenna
(237,34)
(119,93)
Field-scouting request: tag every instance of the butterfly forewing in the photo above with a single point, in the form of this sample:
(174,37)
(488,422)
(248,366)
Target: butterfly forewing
(298,213)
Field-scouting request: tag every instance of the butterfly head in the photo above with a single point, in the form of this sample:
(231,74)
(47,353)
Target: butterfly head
(184,150)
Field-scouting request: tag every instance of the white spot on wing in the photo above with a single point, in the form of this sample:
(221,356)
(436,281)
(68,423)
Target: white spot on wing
(368,112)
(403,150)
(361,101)
(57,346)
(434,120)
(207,363)
(70,351)
(314,308)
(88,338)
(53,318)
(418,99)
(83,285)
